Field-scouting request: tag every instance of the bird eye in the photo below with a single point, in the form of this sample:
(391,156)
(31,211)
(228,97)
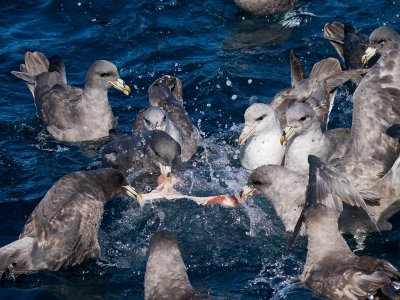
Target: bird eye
(302,119)
(105,74)
(256,182)
(260,118)
(147,121)
(165,117)
(157,153)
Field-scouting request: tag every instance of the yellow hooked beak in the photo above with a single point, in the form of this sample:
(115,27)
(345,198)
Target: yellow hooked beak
(247,132)
(165,170)
(160,127)
(120,85)
(246,192)
(369,53)
(130,191)
(287,134)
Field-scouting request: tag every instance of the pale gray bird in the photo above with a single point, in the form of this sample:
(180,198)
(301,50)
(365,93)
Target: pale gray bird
(152,152)
(71,114)
(348,43)
(259,139)
(166,276)
(62,230)
(155,118)
(331,268)
(305,137)
(265,7)
(166,93)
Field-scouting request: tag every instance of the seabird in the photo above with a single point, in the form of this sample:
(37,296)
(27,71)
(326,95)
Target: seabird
(259,137)
(306,137)
(318,89)
(146,153)
(155,118)
(381,41)
(71,114)
(166,276)
(331,268)
(261,126)
(166,93)
(62,230)
(265,7)
(348,42)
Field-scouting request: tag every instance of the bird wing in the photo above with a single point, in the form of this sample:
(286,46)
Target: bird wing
(370,152)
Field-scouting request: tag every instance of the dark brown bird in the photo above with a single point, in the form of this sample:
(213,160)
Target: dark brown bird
(62,230)
(331,268)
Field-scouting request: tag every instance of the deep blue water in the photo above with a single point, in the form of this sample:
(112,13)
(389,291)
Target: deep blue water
(237,253)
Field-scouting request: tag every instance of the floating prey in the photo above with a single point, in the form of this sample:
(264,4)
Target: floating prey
(166,190)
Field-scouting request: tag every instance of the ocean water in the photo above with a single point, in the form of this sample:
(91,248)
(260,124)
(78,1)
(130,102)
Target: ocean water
(226,60)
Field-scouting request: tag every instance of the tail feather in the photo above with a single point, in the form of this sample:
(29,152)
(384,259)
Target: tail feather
(325,68)
(35,64)
(20,257)
(57,65)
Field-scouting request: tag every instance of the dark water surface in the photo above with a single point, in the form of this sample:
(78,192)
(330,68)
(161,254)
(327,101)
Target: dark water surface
(226,59)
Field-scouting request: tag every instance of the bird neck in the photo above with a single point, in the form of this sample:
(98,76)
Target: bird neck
(166,276)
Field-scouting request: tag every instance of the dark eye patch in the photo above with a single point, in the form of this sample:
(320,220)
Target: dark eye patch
(302,119)
(256,182)
(261,118)
(105,74)
(147,121)
(165,117)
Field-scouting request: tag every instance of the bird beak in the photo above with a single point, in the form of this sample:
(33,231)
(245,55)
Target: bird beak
(246,192)
(369,53)
(130,191)
(160,127)
(287,134)
(120,85)
(247,132)
(165,170)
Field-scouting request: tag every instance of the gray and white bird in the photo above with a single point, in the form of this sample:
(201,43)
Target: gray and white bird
(71,114)
(331,268)
(265,7)
(62,230)
(155,118)
(305,137)
(260,137)
(263,122)
(152,152)
(166,276)
(166,93)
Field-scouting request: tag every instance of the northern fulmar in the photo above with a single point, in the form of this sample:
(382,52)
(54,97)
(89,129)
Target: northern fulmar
(71,114)
(263,122)
(166,276)
(331,268)
(62,230)
(166,94)
(145,154)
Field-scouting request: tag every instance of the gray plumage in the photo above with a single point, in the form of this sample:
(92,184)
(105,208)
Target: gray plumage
(62,230)
(265,7)
(166,93)
(166,276)
(260,137)
(348,42)
(313,90)
(143,153)
(308,138)
(71,114)
(331,268)
(286,192)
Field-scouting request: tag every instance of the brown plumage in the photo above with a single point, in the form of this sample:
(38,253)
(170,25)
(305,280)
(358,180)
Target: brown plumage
(265,7)
(62,230)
